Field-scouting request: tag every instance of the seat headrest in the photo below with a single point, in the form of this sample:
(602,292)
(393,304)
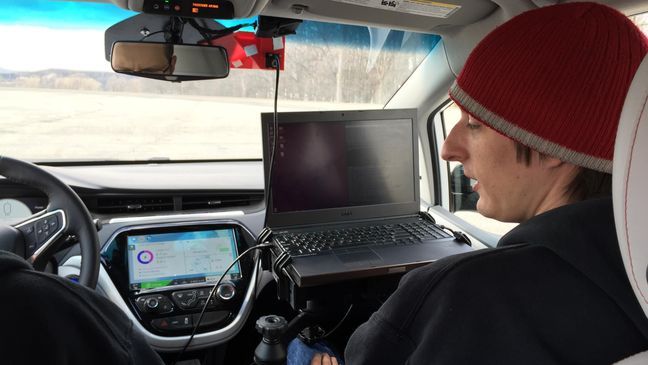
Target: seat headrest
(629,181)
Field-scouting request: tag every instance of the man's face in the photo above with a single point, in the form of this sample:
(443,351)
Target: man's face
(509,190)
(146,58)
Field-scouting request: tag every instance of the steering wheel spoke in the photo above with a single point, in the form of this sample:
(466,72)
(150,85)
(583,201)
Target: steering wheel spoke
(41,232)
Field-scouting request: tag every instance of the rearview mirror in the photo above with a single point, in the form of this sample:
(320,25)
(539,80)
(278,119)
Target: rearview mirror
(172,62)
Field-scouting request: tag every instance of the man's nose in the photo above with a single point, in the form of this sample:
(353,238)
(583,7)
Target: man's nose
(454,146)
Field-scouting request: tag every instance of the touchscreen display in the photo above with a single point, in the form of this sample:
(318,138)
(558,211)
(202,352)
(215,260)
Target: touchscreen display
(165,259)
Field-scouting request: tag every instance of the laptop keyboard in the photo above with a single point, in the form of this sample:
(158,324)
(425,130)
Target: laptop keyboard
(313,243)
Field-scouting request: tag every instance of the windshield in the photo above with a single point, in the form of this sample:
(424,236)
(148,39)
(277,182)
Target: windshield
(60,100)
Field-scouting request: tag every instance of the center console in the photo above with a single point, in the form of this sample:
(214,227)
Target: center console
(165,274)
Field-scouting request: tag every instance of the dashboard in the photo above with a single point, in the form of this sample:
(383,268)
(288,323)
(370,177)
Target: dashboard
(165,242)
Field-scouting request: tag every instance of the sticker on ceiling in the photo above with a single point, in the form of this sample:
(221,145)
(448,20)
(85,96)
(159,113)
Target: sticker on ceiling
(418,7)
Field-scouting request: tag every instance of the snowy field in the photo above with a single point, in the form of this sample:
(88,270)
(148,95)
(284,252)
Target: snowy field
(63,124)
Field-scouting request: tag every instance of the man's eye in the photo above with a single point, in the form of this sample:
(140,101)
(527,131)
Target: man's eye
(473,125)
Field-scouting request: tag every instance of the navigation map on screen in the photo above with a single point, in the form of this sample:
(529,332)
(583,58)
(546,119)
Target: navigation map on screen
(165,259)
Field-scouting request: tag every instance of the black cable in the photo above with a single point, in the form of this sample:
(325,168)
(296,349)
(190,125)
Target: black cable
(200,29)
(275,132)
(151,34)
(258,278)
(170,31)
(217,33)
(458,235)
(211,294)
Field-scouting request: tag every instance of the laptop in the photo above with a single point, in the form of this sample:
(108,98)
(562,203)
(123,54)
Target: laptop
(352,174)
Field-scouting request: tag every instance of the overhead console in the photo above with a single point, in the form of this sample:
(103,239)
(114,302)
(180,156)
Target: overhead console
(165,275)
(239,8)
(213,9)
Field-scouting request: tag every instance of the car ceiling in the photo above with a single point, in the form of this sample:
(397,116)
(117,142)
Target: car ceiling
(461,31)
(341,11)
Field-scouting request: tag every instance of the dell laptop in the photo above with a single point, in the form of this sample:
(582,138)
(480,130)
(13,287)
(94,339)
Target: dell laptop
(344,196)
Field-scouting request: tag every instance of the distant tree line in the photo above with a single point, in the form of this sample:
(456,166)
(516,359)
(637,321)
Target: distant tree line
(325,71)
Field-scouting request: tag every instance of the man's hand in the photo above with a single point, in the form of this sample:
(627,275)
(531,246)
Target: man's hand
(323,359)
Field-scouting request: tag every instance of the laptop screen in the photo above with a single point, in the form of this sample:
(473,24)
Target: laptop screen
(342,165)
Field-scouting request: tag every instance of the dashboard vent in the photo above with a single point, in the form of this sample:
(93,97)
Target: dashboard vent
(134,205)
(202,202)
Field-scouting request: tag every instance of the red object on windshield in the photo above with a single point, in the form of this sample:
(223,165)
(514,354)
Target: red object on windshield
(246,50)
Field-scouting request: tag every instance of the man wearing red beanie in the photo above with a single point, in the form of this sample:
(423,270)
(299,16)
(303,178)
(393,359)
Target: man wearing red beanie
(541,98)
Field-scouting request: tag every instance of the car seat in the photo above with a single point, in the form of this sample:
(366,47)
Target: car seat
(629,193)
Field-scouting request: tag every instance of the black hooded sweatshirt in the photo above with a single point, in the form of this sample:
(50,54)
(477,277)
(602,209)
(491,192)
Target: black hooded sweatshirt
(555,291)
(52,320)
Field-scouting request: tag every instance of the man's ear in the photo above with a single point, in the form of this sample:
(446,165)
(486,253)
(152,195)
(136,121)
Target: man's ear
(557,166)
(549,162)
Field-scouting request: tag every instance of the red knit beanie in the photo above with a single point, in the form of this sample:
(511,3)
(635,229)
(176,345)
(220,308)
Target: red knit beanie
(555,80)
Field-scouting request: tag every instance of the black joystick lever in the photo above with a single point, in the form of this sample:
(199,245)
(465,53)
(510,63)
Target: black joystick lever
(271,350)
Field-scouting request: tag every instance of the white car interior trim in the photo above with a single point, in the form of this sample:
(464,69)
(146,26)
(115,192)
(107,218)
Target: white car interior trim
(341,12)
(444,175)
(629,177)
(460,41)
(257,7)
(231,175)
(427,86)
(637,359)
(193,217)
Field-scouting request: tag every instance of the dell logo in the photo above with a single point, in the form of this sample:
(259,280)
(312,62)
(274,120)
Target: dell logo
(346,213)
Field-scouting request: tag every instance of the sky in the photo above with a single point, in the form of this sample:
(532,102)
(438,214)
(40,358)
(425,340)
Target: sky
(61,13)
(43,34)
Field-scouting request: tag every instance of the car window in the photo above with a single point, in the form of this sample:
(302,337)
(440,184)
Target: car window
(641,20)
(60,100)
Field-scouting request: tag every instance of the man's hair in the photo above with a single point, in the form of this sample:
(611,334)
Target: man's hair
(587,184)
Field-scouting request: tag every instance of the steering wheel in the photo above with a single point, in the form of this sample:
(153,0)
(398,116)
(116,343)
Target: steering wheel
(38,237)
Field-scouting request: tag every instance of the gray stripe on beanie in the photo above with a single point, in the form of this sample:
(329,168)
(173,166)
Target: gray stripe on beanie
(525,137)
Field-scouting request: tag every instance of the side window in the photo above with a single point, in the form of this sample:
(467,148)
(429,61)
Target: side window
(457,194)
(641,21)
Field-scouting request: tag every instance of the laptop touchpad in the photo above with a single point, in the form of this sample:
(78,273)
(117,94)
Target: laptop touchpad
(361,257)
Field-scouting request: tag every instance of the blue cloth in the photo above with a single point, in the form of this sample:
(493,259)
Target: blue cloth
(300,353)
